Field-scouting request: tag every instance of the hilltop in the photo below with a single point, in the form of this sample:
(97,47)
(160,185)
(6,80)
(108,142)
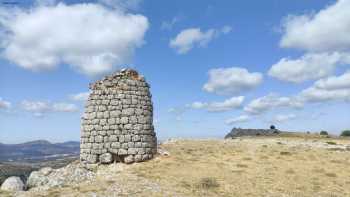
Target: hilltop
(246,166)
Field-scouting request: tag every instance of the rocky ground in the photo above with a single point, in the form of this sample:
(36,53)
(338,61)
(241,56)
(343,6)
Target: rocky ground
(249,166)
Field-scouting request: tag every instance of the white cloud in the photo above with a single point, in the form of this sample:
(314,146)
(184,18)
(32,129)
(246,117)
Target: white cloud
(35,106)
(64,107)
(227,81)
(229,104)
(242,118)
(122,4)
(189,38)
(328,89)
(314,94)
(226,29)
(38,115)
(90,37)
(4,104)
(82,96)
(178,112)
(45,2)
(284,117)
(168,25)
(326,30)
(194,37)
(39,108)
(270,102)
(334,82)
(308,67)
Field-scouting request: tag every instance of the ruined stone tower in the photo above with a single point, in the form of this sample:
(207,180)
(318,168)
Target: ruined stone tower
(118,121)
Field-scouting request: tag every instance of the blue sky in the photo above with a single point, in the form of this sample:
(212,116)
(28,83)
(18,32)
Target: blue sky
(212,65)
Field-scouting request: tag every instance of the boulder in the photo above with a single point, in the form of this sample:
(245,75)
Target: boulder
(163,152)
(36,179)
(13,183)
(106,158)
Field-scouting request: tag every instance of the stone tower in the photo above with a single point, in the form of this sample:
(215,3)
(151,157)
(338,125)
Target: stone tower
(118,121)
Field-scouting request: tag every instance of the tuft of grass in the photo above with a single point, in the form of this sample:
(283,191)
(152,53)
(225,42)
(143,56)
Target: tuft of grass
(290,171)
(329,174)
(208,183)
(285,153)
(331,143)
(242,165)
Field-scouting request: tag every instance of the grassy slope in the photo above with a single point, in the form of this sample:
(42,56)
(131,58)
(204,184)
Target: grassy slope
(283,166)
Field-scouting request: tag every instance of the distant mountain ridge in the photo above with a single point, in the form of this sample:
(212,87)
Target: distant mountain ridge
(37,150)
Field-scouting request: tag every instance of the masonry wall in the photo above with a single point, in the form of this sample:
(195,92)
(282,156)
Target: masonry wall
(118,121)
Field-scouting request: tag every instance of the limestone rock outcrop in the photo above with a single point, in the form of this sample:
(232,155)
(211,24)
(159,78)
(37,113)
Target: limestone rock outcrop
(12,183)
(47,177)
(118,120)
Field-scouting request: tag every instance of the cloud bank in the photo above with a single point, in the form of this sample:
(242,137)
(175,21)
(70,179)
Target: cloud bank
(229,104)
(326,30)
(272,101)
(323,35)
(308,67)
(39,108)
(91,38)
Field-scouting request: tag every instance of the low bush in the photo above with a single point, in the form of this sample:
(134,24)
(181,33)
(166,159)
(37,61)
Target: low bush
(323,133)
(345,133)
(331,143)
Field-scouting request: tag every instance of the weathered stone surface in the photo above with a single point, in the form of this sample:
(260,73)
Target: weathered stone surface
(36,178)
(74,172)
(12,183)
(129,159)
(106,158)
(46,170)
(117,123)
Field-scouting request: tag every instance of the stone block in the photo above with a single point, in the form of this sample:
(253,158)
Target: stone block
(106,158)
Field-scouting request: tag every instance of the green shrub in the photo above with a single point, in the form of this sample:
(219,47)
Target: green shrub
(323,133)
(331,143)
(272,127)
(345,133)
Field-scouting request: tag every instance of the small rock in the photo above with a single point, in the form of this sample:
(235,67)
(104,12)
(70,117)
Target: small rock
(129,159)
(163,152)
(91,167)
(106,158)
(13,183)
(45,171)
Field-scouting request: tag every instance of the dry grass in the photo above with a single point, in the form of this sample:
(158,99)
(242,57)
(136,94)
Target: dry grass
(5,194)
(252,167)
(266,166)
